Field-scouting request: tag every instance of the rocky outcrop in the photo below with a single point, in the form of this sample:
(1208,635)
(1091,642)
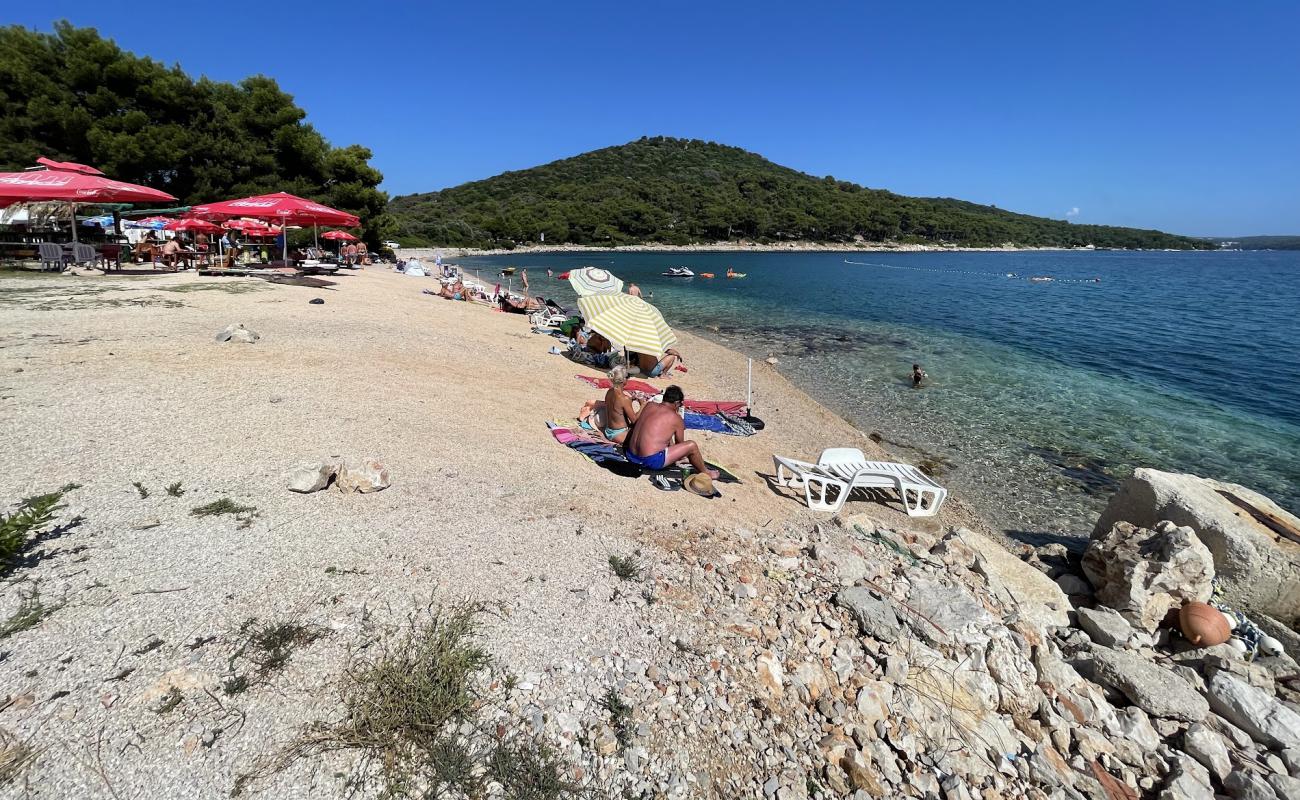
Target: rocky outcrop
(237,333)
(1258,567)
(1144,573)
(307,478)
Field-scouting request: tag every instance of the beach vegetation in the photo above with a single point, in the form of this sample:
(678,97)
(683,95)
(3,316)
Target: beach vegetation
(620,715)
(625,567)
(269,646)
(15,756)
(25,524)
(226,506)
(662,190)
(175,489)
(32,611)
(409,715)
(73,94)
(141,489)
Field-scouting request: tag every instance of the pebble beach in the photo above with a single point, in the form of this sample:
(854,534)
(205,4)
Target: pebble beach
(110,382)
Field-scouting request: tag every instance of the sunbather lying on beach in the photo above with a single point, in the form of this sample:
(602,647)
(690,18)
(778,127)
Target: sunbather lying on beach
(513,306)
(659,439)
(620,416)
(652,367)
(453,291)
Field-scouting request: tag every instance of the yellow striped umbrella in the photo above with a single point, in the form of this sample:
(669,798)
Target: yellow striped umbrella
(628,322)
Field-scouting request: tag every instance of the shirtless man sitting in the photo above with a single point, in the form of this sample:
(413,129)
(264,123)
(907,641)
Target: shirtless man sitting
(619,413)
(659,439)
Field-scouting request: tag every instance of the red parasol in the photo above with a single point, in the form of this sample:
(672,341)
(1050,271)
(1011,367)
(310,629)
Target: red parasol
(342,236)
(191,224)
(73,187)
(280,206)
(72,183)
(67,166)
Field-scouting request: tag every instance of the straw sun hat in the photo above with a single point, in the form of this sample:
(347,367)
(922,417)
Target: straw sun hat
(700,484)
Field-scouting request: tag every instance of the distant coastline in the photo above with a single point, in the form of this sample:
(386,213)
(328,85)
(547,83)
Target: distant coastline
(732,247)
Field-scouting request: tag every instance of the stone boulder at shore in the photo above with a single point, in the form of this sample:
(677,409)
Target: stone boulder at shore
(1144,573)
(1258,566)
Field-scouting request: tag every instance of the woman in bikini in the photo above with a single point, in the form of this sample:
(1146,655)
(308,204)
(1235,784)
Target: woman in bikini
(620,416)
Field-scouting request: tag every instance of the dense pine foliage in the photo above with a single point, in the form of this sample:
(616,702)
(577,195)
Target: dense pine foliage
(73,95)
(677,191)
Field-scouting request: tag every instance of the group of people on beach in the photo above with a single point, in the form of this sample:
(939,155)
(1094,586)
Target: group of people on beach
(652,435)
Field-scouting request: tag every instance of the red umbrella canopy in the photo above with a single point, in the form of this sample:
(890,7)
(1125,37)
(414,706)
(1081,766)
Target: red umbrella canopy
(67,166)
(279,206)
(73,187)
(340,235)
(252,227)
(193,225)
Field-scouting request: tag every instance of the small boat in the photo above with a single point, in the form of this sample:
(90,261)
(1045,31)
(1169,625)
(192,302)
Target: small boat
(508,270)
(564,276)
(1041,279)
(707,275)
(680,272)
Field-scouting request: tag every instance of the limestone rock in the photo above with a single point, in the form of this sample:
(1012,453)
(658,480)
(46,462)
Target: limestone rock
(947,613)
(362,476)
(1209,749)
(1248,785)
(1136,726)
(1031,593)
(1255,711)
(1143,573)
(1257,568)
(876,616)
(1188,780)
(1105,626)
(237,333)
(306,478)
(770,675)
(850,566)
(1157,691)
(1287,788)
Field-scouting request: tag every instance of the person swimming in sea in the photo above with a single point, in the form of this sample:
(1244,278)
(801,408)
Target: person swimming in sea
(918,375)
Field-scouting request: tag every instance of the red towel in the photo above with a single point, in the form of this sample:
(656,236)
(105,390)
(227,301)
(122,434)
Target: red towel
(642,388)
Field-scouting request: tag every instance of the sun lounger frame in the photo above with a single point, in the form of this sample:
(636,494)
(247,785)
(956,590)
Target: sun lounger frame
(840,470)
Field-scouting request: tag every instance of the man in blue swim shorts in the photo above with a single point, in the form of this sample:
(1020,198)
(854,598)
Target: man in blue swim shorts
(658,439)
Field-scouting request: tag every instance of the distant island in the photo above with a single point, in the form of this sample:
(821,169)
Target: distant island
(1257,243)
(661,190)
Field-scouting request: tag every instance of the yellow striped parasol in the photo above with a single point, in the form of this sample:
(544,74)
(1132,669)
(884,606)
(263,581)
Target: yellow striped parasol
(628,322)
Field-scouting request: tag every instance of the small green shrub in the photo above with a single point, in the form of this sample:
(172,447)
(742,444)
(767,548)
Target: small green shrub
(175,489)
(625,567)
(33,514)
(142,489)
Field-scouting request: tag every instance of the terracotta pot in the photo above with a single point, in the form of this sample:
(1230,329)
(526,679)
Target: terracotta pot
(1203,625)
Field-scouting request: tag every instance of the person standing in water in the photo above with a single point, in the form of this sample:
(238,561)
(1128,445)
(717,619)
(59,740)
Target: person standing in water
(918,375)
(634,290)
(525,277)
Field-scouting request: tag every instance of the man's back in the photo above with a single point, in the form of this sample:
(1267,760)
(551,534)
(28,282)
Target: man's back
(654,429)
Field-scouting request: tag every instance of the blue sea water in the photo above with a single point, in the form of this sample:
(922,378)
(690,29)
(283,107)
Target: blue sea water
(1041,396)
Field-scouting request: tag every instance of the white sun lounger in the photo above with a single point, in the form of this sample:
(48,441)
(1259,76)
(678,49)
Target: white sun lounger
(844,469)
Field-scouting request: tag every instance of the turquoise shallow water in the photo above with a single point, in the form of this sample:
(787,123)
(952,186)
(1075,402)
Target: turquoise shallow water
(1041,395)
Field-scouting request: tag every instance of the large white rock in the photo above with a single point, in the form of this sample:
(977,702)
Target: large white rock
(1255,711)
(1018,585)
(1257,567)
(1143,573)
(1153,689)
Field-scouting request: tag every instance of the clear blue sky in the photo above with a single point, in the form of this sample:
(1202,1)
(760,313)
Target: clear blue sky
(1175,115)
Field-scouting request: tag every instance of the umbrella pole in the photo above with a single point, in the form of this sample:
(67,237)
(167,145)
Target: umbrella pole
(749,390)
(72,207)
(315,234)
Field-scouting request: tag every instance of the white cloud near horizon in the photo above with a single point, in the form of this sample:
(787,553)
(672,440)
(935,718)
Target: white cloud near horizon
(1073,212)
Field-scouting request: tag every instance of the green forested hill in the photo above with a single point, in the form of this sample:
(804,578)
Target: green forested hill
(678,191)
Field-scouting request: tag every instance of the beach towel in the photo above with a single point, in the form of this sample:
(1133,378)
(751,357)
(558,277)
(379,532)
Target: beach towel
(611,457)
(644,391)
